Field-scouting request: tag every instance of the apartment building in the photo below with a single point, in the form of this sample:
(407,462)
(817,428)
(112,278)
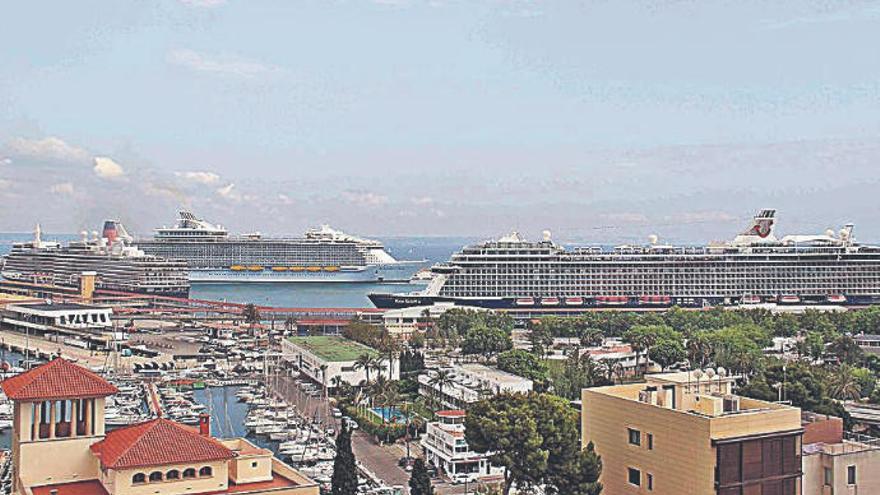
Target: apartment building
(446,449)
(322,358)
(837,462)
(469,383)
(686,433)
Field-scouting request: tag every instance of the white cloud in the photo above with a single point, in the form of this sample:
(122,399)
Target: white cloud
(228,192)
(423,201)
(6,161)
(48,148)
(62,188)
(106,168)
(228,65)
(365,198)
(203,4)
(199,176)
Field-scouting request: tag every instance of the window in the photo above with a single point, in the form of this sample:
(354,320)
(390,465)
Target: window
(650,441)
(138,478)
(850,475)
(635,436)
(635,476)
(254,464)
(649,480)
(156,476)
(172,475)
(189,473)
(829,477)
(205,471)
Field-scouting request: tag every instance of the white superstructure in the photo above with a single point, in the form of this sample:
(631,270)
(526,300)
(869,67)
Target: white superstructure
(322,255)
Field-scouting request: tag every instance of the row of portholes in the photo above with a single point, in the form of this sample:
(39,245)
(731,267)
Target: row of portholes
(171,475)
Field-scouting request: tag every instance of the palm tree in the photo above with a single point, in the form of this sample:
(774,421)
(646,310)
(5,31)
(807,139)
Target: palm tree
(440,379)
(323,369)
(376,364)
(364,362)
(390,398)
(843,385)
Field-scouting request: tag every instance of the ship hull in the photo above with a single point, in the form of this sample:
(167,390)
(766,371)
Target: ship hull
(397,301)
(392,272)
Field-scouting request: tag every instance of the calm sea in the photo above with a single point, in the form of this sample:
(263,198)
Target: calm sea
(311,295)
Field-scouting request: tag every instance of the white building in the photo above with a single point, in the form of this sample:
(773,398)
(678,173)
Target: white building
(65,315)
(402,323)
(470,383)
(446,448)
(338,354)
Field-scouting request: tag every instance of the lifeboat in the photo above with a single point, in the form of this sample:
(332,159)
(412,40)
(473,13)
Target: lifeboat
(574,301)
(313,268)
(525,301)
(655,300)
(296,268)
(612,300)
(237,268)
(836,298)
(331,268)
(279,268)
(789,299)
(750,300)
(549,301)
(255,268)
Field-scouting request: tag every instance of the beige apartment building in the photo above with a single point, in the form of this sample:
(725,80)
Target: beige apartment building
(60,446)
(686,433)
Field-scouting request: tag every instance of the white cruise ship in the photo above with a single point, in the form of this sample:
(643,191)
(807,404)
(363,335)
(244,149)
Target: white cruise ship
(321,255)
(118,265)
(755,267)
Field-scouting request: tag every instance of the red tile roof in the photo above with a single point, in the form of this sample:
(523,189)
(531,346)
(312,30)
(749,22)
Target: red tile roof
(451,413)
(155,443)
(276,483)
(91,487)
(57,379)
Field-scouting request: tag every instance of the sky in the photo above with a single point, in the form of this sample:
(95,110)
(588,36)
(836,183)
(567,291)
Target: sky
(601,121)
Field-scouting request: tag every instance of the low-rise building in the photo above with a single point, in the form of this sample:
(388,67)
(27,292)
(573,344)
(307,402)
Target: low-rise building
(73,316)
(468,383)
(402,323)
(60,446)
(837,462)
(447,450)
(683,433)
(869,343)
(336,356)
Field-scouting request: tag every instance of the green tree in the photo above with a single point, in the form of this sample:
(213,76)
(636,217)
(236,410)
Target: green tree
(535,439)
(667,352)
(506,427)
(420,480)
(441,379)
(541,337)
(522,363)
(344,480)
(485,341)
(251,313)
(364,362)
(843,385)
(846,350)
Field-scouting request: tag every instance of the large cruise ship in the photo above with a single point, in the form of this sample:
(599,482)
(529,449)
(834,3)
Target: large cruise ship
(755,267)
(119,266)
(321,255)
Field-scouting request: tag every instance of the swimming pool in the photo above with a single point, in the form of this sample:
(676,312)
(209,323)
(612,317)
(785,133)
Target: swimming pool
(390,414)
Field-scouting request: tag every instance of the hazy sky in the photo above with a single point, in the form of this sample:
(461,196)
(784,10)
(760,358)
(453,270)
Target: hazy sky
(606,120)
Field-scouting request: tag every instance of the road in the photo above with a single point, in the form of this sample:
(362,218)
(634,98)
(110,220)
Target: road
(381,460)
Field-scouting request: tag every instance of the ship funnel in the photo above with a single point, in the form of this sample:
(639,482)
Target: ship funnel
(546,235)
(762,224)
(653,239)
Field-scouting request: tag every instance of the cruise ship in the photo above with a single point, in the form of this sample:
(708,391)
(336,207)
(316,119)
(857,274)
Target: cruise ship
(119,266)
(755,267)
(321,255)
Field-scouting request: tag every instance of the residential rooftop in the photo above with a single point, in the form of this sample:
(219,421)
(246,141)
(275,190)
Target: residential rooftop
(332,348)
